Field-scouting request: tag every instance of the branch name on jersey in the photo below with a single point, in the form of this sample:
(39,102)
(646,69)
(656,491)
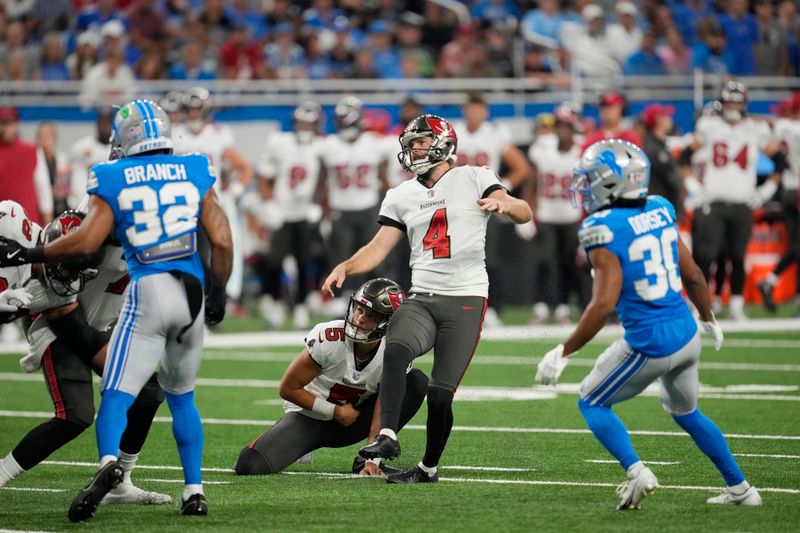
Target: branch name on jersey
(554,176)
(339,381)
(156,201)
(656,319)
(787,135)
(352,170)
(730,171)
(446,230)
(483,147)
(213,140)
(294,167)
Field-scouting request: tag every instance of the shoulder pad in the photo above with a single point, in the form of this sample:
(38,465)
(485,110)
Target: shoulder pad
(595,236)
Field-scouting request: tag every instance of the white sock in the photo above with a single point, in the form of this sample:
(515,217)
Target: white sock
(189,490)
(771,279)
(106,459)
(389,433)
(128,462)
(9,469)
(634,469)
(737,302)
(739,488)
(430,470)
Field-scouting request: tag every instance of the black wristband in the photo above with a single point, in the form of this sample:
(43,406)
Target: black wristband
(779,159)
(35,254)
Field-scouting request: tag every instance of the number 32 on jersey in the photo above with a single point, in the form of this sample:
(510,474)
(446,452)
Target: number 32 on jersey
(176,218)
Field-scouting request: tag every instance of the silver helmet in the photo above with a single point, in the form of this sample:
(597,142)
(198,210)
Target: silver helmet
(607,171)
(141,126)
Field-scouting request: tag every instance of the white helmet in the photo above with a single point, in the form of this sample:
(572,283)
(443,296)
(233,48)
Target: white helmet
(141,126)
(607,171)
(15,225)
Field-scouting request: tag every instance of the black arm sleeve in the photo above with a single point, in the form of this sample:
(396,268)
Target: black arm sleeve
(779,158)
(685,160)
(77,335)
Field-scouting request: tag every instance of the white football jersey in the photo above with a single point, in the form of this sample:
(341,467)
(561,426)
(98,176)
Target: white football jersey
(212,141)
(554,176)
(446,230)
(295,168)
(483,147)
(101,297)
(787,135)
(84,154)
(352,169)
(339,381)
(730,172)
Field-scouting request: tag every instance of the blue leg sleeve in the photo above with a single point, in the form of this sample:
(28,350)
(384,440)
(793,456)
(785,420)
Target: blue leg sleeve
(610,431)
(188,431)
(711,442)
(112,417)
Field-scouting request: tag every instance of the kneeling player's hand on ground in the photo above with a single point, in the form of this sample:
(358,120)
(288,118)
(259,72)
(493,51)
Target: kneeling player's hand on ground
(12,299)
(334,279)
(345,414)
(551,366)
(713,329)
(371,469)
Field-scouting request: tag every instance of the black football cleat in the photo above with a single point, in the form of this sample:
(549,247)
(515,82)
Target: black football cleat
(196,505)
(415,475)
(358,465)
(85,503)
(383,446)
(766,293)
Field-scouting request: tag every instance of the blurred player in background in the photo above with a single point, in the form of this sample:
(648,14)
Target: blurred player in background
(612,125)
(730,186)
(557,220)
(787,134)
(331,388)
(87,152)
(641,267)
(291,161)
(485,143)
(354,179)
(172,104)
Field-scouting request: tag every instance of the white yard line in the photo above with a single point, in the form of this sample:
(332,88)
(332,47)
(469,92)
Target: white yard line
(32,489)
(767,455)
(205,482)
(613,462)
(420,427)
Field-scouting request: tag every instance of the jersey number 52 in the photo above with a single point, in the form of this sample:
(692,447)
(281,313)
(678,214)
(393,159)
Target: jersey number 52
(659,261)
(176,219)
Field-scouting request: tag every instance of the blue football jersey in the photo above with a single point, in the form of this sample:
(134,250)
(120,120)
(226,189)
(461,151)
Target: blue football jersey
(656,319)
(156,202)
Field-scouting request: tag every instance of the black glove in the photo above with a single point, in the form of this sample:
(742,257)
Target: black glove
(13,253)
(215,302)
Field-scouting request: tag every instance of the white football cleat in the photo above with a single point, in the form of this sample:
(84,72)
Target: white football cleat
(632,492)
(491,319)
(127,492)
(300,317)
(749,498)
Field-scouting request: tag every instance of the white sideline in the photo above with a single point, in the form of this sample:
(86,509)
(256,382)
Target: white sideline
(470,480)
(613,462)
(533,333)
(419,427)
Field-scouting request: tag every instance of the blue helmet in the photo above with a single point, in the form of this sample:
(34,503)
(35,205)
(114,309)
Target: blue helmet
(607,171)
(141,126)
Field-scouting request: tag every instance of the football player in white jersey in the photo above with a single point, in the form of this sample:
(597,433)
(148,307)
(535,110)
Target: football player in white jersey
(443,214)
(172,104)
(67,341)
(485,143)
(200,134)
(87,152)
(730,184)
(787,134)
(353,175)
(556,218)
(291,160)
(331,387)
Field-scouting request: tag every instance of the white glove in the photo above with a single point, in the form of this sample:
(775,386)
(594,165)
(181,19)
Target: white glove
(763,194)
(12,299)
(713,329)
(696,196)
(552,365)
(526,231)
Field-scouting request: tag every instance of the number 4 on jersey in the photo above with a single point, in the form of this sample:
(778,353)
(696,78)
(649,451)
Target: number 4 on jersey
(436,238)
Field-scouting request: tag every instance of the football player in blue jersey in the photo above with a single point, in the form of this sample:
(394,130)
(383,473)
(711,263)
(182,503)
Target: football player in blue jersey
(640,268)
(152,201)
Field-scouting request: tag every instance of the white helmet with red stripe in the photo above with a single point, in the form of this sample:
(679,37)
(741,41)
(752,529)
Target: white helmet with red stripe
(444,143)
(15,224)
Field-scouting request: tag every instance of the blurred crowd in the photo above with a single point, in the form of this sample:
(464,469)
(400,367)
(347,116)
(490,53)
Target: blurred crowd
(310,200)
(114,42)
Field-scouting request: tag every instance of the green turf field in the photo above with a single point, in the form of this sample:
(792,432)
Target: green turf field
(510,465)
